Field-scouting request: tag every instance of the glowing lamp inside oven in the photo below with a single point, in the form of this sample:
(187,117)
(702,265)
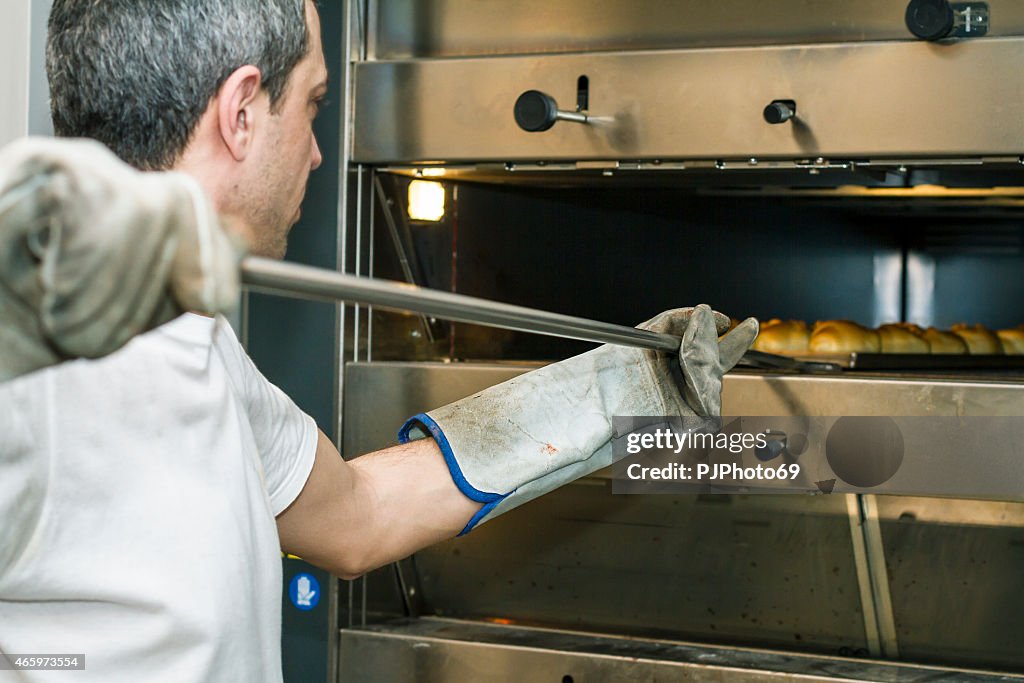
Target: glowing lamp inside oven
(426,200)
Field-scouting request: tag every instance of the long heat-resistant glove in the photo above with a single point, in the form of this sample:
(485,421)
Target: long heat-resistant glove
(520,439)
(93,252)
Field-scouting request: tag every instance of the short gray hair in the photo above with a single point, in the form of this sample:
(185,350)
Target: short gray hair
(137,75)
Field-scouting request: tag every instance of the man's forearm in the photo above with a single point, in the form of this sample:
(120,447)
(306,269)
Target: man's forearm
(416,503)
(354,516)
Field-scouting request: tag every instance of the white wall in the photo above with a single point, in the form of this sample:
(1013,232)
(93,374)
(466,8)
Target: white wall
(38,92)
(15,32)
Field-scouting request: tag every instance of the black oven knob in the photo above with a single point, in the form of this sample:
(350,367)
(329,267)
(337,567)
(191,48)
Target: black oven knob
(780,111)
(930,19)
(774,446)
(536,112)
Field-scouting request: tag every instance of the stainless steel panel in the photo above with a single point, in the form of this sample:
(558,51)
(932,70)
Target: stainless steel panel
(439,650)
(935,462)
(955,578)
(922,188)
(379,397)
(450,28)
(776,571)
(854,101)
(750,394)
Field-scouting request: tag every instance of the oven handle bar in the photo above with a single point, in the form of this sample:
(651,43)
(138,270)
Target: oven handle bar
(296,280)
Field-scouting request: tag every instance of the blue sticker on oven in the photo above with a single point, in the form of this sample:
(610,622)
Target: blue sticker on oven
(304,591)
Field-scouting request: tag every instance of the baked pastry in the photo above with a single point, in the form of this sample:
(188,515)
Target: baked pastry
(782,336)
(843,336)
(944,342)
(910,327)
(902,338)
(980,340)
(1012,341)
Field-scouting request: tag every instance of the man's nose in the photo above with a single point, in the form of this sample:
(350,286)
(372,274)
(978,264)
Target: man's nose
(316,158)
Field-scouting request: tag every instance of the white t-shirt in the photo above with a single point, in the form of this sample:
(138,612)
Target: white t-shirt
(137,502)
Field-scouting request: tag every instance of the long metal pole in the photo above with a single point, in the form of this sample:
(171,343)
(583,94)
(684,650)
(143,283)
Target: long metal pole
(291,279)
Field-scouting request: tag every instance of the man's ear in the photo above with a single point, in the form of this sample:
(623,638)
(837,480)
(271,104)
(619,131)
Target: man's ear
(236,110)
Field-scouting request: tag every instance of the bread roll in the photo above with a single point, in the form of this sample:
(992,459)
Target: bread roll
(911,327)
(782,336)
(980,340)
(901,338)
(1012,341)
(843,336)
(944,342)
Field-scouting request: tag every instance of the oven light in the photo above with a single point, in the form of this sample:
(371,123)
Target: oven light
(426,200)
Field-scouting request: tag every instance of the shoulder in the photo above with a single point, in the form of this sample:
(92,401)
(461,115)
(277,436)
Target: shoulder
(249,382)
(188,328)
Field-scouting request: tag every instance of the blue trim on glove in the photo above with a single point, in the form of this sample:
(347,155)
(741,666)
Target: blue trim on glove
(490,500)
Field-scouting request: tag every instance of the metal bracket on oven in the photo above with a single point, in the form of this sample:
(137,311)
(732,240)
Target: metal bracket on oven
(401,238)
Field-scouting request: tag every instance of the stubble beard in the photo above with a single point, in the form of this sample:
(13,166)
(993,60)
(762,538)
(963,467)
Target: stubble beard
(269,231)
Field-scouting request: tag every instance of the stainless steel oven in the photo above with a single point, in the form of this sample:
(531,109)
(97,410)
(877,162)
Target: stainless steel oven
(792,159)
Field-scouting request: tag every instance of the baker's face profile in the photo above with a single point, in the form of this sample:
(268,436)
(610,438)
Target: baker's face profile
(287,151)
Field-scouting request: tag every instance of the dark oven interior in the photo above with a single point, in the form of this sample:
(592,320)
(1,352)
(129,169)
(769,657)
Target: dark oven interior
(624,252)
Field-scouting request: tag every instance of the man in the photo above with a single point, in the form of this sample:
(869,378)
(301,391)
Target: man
(146,495)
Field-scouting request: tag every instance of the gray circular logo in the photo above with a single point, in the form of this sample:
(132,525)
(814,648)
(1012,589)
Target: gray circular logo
(864,451)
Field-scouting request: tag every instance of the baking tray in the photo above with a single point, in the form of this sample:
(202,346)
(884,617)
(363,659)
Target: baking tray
(914,361)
